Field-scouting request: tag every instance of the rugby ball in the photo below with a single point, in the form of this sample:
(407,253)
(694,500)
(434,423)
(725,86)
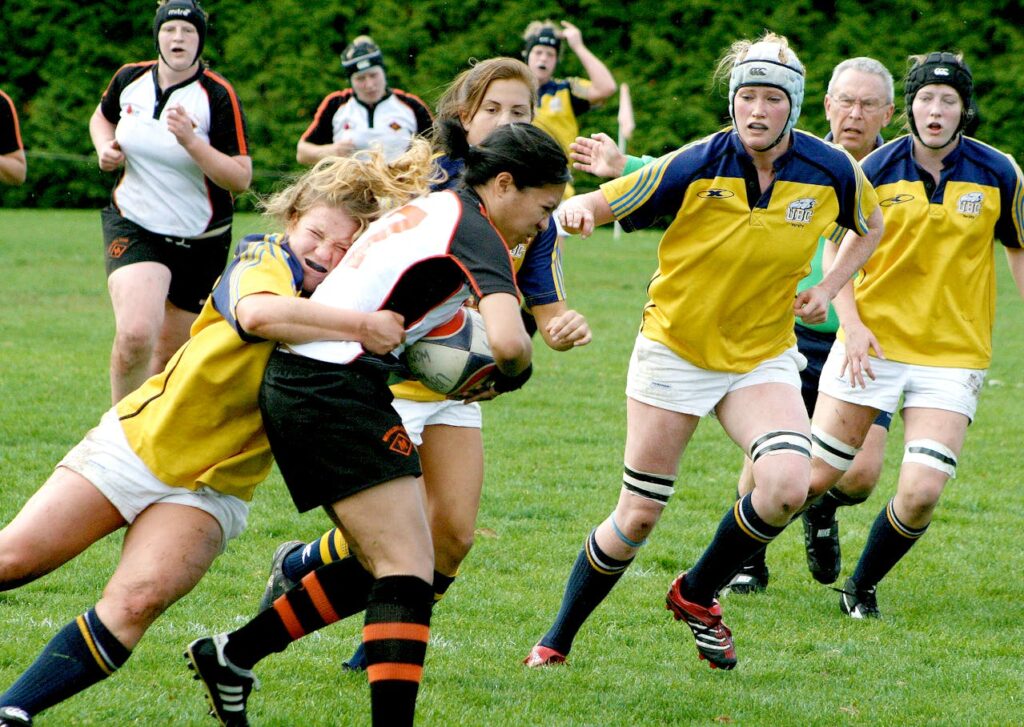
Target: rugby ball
(454,357)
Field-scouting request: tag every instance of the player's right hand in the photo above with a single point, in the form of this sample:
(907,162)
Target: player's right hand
(598,155)
(576,220)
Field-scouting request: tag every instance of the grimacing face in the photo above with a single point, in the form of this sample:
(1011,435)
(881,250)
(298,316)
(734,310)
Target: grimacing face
(320,238)
(542,60)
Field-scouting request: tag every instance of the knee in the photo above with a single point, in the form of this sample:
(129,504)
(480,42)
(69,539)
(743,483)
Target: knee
(135,604)
(785,489)
(860,481)
(451,546)
(919,500)
(637,517)
(17,566)
(134,341)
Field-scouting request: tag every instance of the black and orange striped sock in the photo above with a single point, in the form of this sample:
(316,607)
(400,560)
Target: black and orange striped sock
(328,594)
(395,636)
(82,653)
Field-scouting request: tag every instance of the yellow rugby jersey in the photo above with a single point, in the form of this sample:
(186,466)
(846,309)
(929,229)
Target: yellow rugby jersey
(928,291)
(197,423)
(559,102)
(731,257)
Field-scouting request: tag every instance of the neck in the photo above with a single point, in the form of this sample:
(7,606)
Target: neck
(765,159)
(930,158)
(167,76)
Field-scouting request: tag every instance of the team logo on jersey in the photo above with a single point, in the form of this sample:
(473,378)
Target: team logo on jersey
(518,252)
(969,205)
(398,441)
(715,193)
(556,104)
(800,211)
(898,199)
(117,247)
(395,126)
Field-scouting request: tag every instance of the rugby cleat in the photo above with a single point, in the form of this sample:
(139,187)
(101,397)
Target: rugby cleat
(751,578)
(14,717)
(821,541)
(227,686)
(543,656)
(356,662)
(278,582)
(857,603)
(714,639)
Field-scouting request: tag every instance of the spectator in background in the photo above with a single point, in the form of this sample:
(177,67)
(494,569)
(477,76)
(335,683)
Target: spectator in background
(177,130)
(561,100)
(12,151)
(368,113)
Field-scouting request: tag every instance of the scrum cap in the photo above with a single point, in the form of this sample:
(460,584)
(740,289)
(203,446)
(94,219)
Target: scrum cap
(762,67)
(362,53)
(187,10)
(946,69)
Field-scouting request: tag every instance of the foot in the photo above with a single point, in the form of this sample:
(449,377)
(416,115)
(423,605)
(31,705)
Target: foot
(714,639)
(543,656)
(227,686)
(14,717)
(278,582)
(821,541)
(356,662)
(857,603)
(751,578)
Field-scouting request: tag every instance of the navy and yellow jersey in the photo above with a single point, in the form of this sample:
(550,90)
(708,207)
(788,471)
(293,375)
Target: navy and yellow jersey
(197,423)
(928,291)
(559,102)
(731,257)
(538,268)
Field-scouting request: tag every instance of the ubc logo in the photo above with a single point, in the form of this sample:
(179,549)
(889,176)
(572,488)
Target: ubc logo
(758,71)
(715,193)
(969,204)
(800,211)
(518,252)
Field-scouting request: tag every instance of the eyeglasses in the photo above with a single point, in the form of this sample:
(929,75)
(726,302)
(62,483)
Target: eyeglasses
(867,105)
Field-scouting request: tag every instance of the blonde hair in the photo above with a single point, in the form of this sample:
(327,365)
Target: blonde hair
(738,52)
(364,185)
(536,26)
(466,93)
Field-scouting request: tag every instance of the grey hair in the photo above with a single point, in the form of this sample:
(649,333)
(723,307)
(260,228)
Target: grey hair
(864,65)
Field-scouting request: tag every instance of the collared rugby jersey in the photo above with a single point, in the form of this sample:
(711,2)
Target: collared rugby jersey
(10,132)
(928,291)
(197,423)
(161,188)
(423,261)
(399,114)
(559,102)
(731,257)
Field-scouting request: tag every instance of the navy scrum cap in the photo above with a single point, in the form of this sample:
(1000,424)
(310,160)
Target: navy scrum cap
(545,36)
(941,68)
(186,10)
(362,53)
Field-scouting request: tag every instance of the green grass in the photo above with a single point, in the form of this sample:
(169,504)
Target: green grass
(947,652)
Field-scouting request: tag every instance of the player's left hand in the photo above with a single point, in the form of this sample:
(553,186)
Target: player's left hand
(859,342)
(569,330)
(180,124)
(811,305)
(576,219)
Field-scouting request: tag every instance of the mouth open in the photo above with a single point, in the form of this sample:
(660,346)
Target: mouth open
(315,267)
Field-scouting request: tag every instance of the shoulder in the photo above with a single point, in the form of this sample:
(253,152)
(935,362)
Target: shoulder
(890,156)
(409,98)
(130,72)
(338,98)
(988,157)
(216,83)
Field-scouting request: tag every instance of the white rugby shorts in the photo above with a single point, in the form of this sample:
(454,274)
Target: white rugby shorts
(416,415)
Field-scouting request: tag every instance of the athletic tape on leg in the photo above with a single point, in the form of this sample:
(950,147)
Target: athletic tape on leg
(781,441)
(622,536)
(644,484)
(931,454)
(836,454)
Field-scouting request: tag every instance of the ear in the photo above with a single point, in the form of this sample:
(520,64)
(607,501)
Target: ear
(504,182)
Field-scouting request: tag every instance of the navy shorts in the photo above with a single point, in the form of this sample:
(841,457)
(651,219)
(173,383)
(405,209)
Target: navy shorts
(815,345)
(195,264)
(332,428)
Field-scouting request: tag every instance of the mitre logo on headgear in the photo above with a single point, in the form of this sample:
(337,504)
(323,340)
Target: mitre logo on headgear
(175,12)
(970,204)
(800,212)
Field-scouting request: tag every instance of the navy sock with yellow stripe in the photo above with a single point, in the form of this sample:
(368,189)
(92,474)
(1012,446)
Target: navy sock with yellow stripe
(328,594)
(82,653)
(592,577)
(888,541)
(741,533)
(328,548)
(395,634)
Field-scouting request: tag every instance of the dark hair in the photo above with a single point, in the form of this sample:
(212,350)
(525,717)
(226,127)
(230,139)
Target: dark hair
(529,154)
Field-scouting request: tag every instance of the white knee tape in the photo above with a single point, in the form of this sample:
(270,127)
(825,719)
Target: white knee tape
(836,454)
(931,454)
(781,441)
(651,486)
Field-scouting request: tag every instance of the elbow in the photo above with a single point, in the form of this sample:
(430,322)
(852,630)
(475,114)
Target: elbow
(513,353)
(604,91)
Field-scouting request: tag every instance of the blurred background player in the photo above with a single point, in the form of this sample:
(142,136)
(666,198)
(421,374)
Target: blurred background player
(12,151)
(369,113)
(561,100)
(717,274)
(446,432)
(926,302)
(178,131)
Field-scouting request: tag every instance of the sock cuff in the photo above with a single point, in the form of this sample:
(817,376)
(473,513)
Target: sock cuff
(899,526)
(109,653)
(751,524)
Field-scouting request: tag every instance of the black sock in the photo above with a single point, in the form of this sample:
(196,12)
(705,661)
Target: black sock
(888,541)
(328,548)
(825,508)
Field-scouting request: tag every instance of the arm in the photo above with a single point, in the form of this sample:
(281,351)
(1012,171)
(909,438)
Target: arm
(1015,259)
(598,155)
(233,173)
(12,167)
(582,213)
(510,344)
(307,152)
(102,133)
(299,320)
(561,327)
(602,84)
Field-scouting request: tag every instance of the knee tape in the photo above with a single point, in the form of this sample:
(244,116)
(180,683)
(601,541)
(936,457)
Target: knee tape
(781,441)
(650,486)
(836,454)
(931,454)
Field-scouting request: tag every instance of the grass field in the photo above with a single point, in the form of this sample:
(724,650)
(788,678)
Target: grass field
(948,650)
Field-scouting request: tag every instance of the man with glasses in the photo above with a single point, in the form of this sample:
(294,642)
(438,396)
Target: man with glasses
(858,105)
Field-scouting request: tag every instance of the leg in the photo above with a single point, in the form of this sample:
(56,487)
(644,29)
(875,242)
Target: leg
(172,336)
(138,293)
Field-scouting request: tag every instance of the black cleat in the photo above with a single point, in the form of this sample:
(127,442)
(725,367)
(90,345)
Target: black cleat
(227,686)
(857,603)
(821,541)
(751,578)
(14,717)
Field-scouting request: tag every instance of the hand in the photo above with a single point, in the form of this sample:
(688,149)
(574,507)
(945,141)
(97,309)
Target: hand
(859,343)
(598,155)
(572,35)
(110,156)
(484,391)
(576,220)
(181,125)
(382,331)
(342,148)
(811,305)
(568,330)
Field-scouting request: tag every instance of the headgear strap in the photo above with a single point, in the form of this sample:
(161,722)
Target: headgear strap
(946,69)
